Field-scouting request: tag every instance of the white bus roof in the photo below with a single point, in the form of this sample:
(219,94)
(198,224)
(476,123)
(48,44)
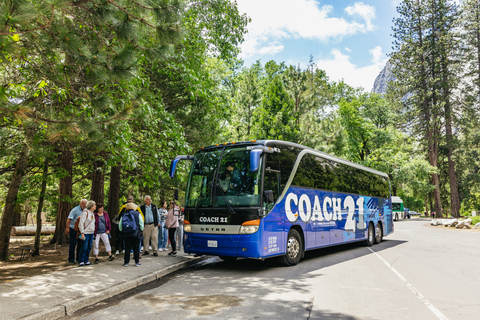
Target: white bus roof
(396,199)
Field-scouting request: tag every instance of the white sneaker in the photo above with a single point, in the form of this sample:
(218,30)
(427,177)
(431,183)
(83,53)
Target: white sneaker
(123,251)
(149,248)
(160,249)
(117,253)
(141,249)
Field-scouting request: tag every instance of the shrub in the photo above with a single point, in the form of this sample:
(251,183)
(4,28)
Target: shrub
(475,220)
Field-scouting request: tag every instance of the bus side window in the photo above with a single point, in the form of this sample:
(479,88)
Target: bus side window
(271,181)
(271,187)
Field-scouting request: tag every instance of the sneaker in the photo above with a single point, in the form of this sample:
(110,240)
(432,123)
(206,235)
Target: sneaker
(117,253)
(123,251)
(72,262)
(97,261)
(149,247)
(81,264)
(125,265)
(160,249)
(174,254)
(111,257)
(155,254)
(137,264)
(141,248)
(146,253)
(88,263)
(170,253)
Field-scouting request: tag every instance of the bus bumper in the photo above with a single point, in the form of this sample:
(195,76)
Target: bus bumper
(232,245)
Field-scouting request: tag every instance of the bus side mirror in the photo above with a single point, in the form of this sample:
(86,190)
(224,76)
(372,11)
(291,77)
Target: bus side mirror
(255,159)
(173,164)
(268,196)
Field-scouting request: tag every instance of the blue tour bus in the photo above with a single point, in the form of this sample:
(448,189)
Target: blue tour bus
(269,198)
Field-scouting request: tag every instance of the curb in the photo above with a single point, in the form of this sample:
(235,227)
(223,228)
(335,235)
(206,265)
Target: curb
(68,308)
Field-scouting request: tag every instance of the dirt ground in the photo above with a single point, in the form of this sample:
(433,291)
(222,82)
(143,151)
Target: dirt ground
(51,258)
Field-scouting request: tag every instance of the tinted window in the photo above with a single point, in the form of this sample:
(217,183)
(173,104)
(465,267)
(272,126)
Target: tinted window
(319,173)
(287,157)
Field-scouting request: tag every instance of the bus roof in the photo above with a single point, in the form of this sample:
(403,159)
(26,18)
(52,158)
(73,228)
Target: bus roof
(292,144)
(396,199)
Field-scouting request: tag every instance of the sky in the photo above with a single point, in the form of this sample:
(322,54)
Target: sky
(350,40)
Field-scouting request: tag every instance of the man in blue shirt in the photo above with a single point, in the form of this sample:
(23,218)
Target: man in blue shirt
(152,221)
(74,242)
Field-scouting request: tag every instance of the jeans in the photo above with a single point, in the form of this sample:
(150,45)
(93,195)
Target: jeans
(73,243)
(86,246)
(131,243)
(162,236)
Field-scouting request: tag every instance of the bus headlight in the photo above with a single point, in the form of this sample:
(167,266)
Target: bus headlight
(186,226)
(249,227)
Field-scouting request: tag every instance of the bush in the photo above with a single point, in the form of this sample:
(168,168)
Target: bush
(475,220)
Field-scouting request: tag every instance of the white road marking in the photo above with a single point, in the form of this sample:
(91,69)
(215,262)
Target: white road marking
(429,305)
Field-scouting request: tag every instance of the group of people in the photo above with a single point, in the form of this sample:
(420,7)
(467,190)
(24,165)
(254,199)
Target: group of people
(88,223)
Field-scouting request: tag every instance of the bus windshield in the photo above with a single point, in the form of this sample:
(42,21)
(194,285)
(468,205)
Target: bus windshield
(222,177)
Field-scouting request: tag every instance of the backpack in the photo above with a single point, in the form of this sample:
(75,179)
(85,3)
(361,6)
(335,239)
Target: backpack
(129,225)
(76,228)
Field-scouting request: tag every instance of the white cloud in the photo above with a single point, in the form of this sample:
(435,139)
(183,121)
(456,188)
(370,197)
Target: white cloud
(275,20)
(340,67)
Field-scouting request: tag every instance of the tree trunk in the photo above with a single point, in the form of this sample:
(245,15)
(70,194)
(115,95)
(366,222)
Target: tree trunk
(9,212)
(65,196)
(114,197)
(426,204)
(36,246)
(436,183)
(97,193)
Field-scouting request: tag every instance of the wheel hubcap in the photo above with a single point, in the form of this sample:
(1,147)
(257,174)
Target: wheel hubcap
(377,231)
(293,247)
(370,234)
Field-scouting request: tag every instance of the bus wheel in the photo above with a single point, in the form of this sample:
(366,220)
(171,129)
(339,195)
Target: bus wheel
(378,233)
(294,249)
(370,236)
(228,258)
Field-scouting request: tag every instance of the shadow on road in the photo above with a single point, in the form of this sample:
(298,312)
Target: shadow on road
(313,260)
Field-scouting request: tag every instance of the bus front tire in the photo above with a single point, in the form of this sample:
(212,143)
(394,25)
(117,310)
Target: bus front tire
(378,233)
(228,258)
(370,235)
(294,250)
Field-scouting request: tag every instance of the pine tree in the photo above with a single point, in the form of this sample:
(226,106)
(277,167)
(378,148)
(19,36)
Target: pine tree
(415,68)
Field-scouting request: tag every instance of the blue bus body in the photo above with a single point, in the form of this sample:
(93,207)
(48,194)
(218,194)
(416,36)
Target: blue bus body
(320,218)
(320,228)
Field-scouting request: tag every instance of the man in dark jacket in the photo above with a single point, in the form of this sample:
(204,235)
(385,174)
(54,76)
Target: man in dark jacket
(152,221)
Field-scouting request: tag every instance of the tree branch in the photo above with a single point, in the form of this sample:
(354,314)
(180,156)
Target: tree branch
(39,28)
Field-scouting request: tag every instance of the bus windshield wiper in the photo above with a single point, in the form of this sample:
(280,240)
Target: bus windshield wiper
(222,193)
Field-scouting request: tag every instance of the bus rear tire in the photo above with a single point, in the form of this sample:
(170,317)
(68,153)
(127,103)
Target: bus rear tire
(294,250)
(228,258)
(378,233)
(370,235)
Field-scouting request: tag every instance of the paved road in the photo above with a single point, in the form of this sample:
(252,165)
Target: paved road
(419,272)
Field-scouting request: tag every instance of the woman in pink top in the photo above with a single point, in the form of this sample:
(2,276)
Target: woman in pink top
(172,224)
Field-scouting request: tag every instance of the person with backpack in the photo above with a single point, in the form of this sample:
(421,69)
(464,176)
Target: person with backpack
(131,226)
(74,242)
(119,243)
(86,228)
